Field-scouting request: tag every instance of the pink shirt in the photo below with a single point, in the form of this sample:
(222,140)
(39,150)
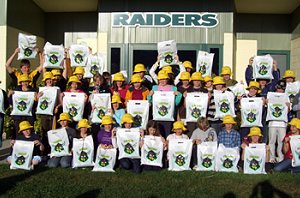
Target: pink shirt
(164,88)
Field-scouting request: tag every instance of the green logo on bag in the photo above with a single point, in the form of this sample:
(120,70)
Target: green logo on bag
(137,120)
(53,59)
(162,110)
(128,148)
(22,106)
(277,112)
(59,147)
(263,68)
(94,69)
(103,162)
(227,163)
(180,160)
(72,112)
(251,117)
(207,162)
(78,59)
(254,164)
(224,107)
(202,67)
(27,52)
(20,160)
(101,113)
(168,58)
(83,157)
(152,156)
(44,105)
(196,112)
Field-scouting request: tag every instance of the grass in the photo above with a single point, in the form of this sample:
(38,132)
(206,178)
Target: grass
(59,182)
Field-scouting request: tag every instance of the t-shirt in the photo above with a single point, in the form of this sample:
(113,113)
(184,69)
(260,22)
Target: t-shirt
(137,94)
(104,137)
(175,137)
(33,75)
(205,136)
(289,154)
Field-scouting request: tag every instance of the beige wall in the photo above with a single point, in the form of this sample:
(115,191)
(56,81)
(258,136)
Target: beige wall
(228,50)
(244,50)
(295,57)
(3,56)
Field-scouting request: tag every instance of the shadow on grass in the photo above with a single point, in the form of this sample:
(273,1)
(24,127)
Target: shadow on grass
(266,190)
(9,183)
(90,193)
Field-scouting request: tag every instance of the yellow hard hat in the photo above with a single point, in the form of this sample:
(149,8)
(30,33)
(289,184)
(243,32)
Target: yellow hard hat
(139,68)
(64,117)
(24,125)
(228,119)
(74,79)
(226,70)
(208,78)
(254,131)
(118,77)
(167,69)
(136,78)
(78,70)
(185,76)
(187,64)
(289,74)
(127,118)
(255,85)
(298,124)
(56,72)
(294,121)
(162,75)
(116,99)
(47,75)
(197,76)
(84,123)
(107,120)
(24,78)
(178,125)
(218,80)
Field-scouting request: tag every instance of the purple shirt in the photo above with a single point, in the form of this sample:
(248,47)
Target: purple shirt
(104,137)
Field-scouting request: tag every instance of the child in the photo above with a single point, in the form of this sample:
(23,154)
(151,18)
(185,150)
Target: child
(117,111)
(286,164)
(208,83)
(106,134)
(228,136)
(64,161)
(185,84)
(25,134)
(178,129)
(255,137)
(84,85)
(153,131)
(129,163)
(147,81)
(226,74)
(136,91)
(83,128)
(188,66)
(119,86)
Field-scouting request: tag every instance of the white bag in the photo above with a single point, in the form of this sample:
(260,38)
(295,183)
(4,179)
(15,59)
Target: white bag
(78,55)
(167,51)
(73,104)
(59,142)
(163,105)
(128,141)
(255,159)
(22,155)
(54,56)
(251,112)
(95,64)
(262,67)
(47,102)
(179,154)
(105,160)
(238,89)
(83,152)
(1,102)
(205,63)
(227,159)
(292,89)
(102,104)
(295,148)
(152,151)
(196,106)
(224,104)
(139,109)
(206,156)
(277,108)
(22,103)
(27,44)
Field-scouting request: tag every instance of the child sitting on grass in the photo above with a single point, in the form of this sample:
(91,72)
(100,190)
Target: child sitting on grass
(228,136)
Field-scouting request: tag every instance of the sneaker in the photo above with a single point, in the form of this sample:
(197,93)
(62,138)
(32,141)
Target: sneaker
(195,167)
(273,161)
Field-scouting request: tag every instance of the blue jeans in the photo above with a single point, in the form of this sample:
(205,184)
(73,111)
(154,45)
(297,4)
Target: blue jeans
(131,164)
(64,161)
(285,165)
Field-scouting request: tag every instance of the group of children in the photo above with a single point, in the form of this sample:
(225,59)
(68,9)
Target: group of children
(142,86)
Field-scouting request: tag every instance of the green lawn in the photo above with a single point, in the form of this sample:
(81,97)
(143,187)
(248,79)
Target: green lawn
(58,182)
